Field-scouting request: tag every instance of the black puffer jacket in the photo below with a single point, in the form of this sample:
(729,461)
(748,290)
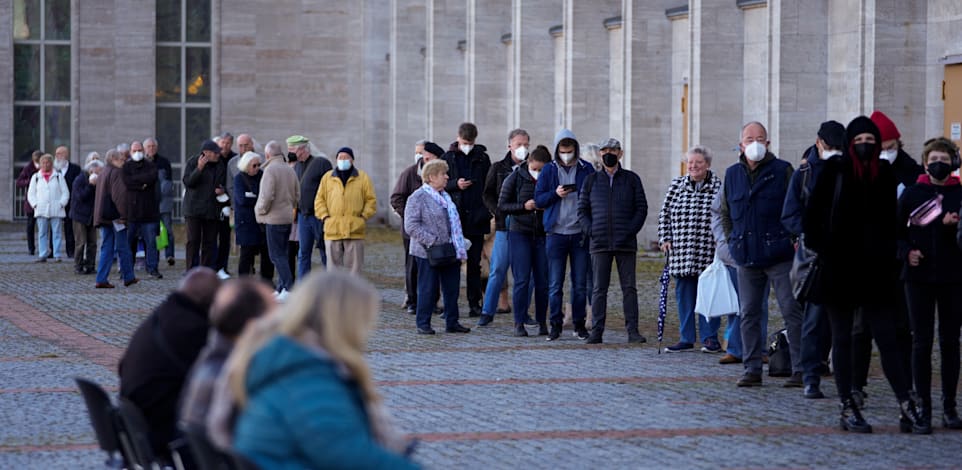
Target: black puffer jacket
(517,189)
(492,188)
(612,214)
(141,180)
(941,256)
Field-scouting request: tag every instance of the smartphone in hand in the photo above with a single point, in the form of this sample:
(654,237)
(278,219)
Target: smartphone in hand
(569,187)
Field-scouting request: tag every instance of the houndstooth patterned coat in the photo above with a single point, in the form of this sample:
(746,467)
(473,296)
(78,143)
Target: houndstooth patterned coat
(685,221)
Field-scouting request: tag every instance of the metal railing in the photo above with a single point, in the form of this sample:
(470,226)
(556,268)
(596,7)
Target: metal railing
(20,195)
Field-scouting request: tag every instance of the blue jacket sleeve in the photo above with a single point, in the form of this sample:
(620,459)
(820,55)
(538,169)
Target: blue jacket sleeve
(792,208)
(544,191)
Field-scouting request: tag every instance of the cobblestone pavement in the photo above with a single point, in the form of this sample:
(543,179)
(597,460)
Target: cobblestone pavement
(481,400)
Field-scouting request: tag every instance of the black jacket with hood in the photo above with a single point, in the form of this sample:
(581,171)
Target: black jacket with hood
(518,188)
(475,217)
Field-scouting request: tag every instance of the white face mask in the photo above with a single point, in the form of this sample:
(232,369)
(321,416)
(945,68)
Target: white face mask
(755,151)
(521,153)
(137,156)
(567,157)
(826,154)
(465,149)
(418,156)
(343,165)
(534,173)
(889,155)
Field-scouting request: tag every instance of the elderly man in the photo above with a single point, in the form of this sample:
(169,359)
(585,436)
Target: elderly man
(69,170)
(165,193)
(611,211)
(408,182)
(468,166)
(755,189)
(143,211)
(110,214)
(244,144)
(310,230)
(204,196)
(237,302)
(226,143)
(158,357)
(344,201)
(276,201)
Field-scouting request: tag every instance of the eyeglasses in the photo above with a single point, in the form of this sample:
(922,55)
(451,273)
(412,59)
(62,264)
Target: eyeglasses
(255,165)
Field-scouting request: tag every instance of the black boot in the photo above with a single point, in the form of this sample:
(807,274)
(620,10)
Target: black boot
(913,419)
(555,331)
(542,329)
(519,330)
(851,418)
(950,417)
(580,330)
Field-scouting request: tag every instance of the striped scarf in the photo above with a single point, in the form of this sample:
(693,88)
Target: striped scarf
(454,220)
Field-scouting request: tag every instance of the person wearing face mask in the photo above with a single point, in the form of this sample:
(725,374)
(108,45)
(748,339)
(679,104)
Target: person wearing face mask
(517,154)
(310,230)
(611,211)
(48,194)
(23,182)
(850,223)
(557,192)
(468,166)
(751,208)
(933,278)
(907,170)
(70,171)
(143,209)
(407,183)
(526,240)
(344,202)
(204,180)
(816,334)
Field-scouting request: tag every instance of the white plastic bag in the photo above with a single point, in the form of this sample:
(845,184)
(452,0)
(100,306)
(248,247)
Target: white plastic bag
(716,293)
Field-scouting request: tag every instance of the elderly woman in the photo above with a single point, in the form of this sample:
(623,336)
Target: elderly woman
(48,195)
(933,278)
(249,234)
(684,233)
(431,220)
(848,223)
(305,394)
(83,189)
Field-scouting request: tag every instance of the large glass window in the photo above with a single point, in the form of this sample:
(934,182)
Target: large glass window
(41,81)
(183,80)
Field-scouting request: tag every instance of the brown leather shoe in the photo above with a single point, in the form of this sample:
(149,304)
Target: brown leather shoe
(729,359)
(131,282)
(104,285)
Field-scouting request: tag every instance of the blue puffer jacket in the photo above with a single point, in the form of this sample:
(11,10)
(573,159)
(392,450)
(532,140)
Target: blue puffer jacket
(544,192)
(612,213)
(246,229)
(757,238)
(302,414)
(794,205)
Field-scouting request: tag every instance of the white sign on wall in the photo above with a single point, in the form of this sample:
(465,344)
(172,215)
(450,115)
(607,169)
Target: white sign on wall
(956,131)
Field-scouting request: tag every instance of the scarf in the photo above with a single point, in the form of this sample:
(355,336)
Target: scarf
(454,220)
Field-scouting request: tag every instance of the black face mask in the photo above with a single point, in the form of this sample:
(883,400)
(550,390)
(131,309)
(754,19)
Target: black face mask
(939,170)
(291,157)
(610,160)
(864,151)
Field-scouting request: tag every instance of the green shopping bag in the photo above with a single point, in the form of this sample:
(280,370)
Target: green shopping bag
(162,240)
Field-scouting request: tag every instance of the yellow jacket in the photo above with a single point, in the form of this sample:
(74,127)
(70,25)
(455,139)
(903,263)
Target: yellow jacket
(345,208)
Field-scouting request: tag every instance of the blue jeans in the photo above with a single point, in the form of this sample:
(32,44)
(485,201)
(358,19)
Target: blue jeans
(497,273)
(815,330)
(113,243)
(46,225)
(559,249)
(277,237)
(147,231)
(449,278)
(529,264)
(310,233)
(686,293)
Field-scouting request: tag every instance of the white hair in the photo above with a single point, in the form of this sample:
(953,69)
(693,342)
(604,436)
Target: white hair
(246,160)
(92,156)
(91,164)
(273,149)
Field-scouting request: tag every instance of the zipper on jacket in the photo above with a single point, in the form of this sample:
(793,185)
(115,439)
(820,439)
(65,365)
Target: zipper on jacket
(611,225)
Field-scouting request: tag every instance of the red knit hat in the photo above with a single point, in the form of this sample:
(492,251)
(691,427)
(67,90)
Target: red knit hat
(885,126)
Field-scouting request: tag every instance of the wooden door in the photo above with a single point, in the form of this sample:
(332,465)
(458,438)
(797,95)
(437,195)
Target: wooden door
(952,102)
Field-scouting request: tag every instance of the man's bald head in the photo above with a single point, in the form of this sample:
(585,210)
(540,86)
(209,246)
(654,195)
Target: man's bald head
(239,301)
(200,285)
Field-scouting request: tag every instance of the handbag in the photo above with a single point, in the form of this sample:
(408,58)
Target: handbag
(442,254)
(927,212)
(716,293)
(779,356)
(806,272)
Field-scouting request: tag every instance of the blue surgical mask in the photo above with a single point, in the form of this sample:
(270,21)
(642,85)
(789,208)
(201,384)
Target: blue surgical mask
(343,165)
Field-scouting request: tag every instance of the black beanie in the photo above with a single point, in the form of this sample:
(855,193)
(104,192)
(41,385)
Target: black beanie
(433,149)
(861,125)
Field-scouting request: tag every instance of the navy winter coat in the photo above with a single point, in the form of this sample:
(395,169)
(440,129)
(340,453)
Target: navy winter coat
(752,212)
(82,199)
(794,205)
(247,231)
(612,214)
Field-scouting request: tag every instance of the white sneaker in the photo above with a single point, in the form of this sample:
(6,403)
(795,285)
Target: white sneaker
(281,296)
(223,274)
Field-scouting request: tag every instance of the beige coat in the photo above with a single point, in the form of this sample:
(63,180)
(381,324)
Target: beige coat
(278,195)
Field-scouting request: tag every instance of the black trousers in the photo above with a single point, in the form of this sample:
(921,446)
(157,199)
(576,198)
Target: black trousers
(473,267)
(223,245)
(923,299)
(601,272)
(862,341)
(68,236)
(410,275)
(880,321)
(246,263)
(31,234)
(202,239)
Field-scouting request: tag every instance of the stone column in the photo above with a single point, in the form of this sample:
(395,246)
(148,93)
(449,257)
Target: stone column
(534,67)
(716,81)
(559,70)
(408,122)
(238,48)
(587,106)
(756,68)
(944,45)
(616,77)
(7,164)
(487,89)
(446,90)
(846,44)
(680,101)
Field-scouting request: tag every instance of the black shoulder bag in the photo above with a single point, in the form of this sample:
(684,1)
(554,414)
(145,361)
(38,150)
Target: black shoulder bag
(806,267)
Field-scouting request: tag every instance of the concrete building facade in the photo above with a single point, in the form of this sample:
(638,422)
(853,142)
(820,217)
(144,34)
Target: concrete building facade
(378,75)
